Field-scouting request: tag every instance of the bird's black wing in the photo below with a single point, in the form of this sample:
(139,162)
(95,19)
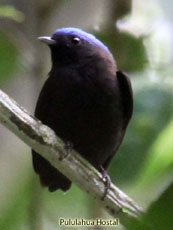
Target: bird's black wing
(126,96)
(49,176)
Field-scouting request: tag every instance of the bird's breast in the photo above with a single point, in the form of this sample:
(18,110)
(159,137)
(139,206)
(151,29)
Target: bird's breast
(87,114)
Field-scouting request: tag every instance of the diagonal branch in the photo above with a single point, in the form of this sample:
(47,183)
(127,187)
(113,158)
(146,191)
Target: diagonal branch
(44,141)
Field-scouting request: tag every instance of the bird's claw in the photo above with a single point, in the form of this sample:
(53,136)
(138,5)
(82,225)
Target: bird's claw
(68,148)
(107,181)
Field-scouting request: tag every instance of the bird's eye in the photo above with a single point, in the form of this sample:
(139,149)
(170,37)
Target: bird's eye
(76,41)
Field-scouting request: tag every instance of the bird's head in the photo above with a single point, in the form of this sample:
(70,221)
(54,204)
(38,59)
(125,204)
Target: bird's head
(72,46)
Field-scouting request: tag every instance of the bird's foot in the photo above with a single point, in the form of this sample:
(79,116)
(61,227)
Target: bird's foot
(107,180)
(68,148)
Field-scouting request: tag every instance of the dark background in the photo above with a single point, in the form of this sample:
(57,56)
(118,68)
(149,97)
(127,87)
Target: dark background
(140,37)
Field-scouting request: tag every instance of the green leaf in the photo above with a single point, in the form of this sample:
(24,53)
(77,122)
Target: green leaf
(159,215)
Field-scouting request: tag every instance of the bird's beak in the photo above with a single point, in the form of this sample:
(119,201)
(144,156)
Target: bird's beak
(47,40)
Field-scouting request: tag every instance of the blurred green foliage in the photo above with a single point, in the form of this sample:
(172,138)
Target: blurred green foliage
(8,11)
(152,113)
(128,50)
(159,161)
(73,204)
(15,213)
(8,58)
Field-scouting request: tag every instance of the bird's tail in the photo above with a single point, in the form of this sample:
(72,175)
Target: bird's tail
(49,176)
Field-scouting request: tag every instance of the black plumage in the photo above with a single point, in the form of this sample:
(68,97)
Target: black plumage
(85,100)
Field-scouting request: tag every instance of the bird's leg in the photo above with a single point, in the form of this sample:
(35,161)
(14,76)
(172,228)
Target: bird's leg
(68,148)
(107,180)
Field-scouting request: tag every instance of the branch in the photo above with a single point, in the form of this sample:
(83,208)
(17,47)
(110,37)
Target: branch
(44,141)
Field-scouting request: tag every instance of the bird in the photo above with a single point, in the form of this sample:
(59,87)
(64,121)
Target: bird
(86,100)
